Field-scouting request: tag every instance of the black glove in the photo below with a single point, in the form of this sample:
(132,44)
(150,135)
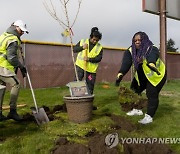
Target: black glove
(23,71)
(153,68)
(118,79)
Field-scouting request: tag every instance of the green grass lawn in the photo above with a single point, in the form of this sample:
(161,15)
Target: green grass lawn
(27,137)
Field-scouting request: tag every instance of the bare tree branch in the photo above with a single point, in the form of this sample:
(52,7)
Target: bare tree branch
(66,1)
(67,26)
(52,12)
(79,5)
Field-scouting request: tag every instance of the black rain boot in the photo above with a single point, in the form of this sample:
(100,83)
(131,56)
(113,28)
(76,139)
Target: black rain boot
(13,115)
(2,117)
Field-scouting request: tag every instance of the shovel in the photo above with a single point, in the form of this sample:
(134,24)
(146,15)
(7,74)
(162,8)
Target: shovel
(39,113)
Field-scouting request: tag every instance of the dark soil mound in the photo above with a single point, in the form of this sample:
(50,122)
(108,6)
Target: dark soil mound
(72,149)
(122,123)
(97,145)
(141,104)
(28,117)
(97,142)
(56,108)
(154,148)
(60,108)
(63,146)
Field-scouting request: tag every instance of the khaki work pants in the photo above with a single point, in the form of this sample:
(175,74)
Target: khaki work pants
(15,87)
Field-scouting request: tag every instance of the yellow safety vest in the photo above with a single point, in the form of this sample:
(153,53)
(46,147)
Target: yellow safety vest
(152,76)
(5,39)
(90,67)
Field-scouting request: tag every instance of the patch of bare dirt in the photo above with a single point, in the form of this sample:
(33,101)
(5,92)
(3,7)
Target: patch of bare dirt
(122,123)
(63,146)
(71,148)
(154,148)
(28,117)
(96,145)
(96,142)
(141,104)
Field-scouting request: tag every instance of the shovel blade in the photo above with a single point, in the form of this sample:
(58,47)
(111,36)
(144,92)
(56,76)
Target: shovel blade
(40,116)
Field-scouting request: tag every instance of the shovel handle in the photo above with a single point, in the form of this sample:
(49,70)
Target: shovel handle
(85,64)
(29,80)
(32,91)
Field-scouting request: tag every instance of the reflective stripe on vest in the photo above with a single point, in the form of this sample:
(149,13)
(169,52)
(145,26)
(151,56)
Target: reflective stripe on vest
(152,76)
(91,67)
(4,38)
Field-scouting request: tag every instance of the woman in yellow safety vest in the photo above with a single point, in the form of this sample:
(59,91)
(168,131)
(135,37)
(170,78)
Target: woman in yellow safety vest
(9,46)
(90,53)
(149,73)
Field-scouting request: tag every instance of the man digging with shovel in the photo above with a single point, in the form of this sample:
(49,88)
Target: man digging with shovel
(9,46)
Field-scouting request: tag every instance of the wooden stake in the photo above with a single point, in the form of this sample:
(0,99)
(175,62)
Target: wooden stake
(6,107)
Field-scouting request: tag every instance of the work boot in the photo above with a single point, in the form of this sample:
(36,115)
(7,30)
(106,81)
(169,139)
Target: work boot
(2,117)
(13,115)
